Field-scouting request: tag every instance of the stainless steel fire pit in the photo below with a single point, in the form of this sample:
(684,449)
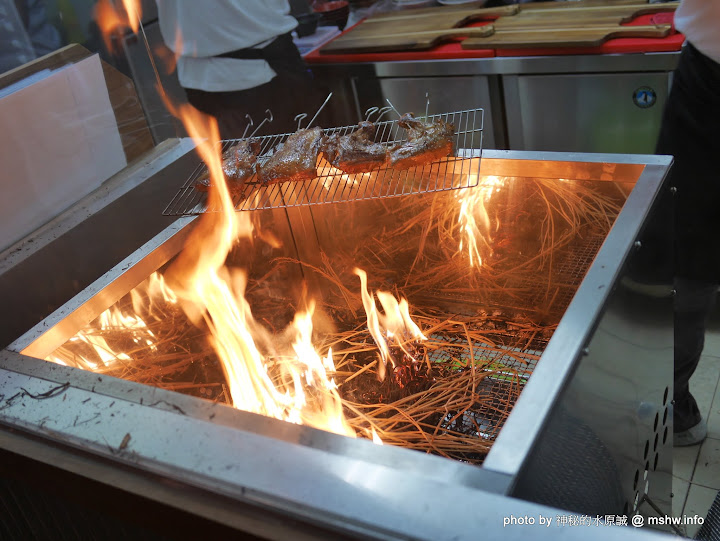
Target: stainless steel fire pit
(590,432)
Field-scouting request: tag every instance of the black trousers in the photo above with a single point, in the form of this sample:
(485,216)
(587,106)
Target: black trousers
(689,134)
(693,303)
(290,93)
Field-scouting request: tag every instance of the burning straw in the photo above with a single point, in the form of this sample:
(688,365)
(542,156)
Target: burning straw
(445,403)
(447,393)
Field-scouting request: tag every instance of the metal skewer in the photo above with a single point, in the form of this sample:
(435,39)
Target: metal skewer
(393,107)
(318,111)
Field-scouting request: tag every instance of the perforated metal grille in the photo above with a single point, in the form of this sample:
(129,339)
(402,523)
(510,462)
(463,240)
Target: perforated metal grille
(333,186)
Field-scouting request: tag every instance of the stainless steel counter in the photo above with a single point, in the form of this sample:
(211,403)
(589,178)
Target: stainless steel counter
(565,103)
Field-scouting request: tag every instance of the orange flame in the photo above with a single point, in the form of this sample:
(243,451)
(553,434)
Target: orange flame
(99,355)
(133,12)
(113,20)
(394,327)
(110,22)
(474,221)
(166,56)
(278,376)
(302,392)
(331,174)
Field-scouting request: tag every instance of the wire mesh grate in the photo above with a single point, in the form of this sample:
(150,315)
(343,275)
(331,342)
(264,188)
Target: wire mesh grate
(333,186)
(502,371)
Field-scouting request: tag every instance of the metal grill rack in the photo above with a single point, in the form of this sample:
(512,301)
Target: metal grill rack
(333,186)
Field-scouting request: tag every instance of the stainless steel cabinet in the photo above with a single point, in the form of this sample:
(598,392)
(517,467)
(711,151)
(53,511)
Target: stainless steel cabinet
(593,112)
(446,94)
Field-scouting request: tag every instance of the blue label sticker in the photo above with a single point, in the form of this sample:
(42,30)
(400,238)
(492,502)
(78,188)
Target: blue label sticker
(644,97)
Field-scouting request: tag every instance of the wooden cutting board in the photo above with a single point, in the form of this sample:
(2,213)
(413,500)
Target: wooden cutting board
(403,30)
(595,15)
(408,41)
(423,29)
(535,6)
(502,10)
(563,37)
(579,21)
(477,9)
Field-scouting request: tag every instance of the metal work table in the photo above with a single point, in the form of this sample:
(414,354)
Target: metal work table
(566,103)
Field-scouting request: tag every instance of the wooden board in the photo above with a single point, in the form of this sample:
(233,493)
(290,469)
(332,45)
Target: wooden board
(416,24)
(563,37)
(604,15)
(408,41)
(554,4)
(570,9)
(579,21)
(400,31)
(423,29)
(477,10)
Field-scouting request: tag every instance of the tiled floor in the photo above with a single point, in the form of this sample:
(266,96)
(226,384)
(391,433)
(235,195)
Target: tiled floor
(696,470)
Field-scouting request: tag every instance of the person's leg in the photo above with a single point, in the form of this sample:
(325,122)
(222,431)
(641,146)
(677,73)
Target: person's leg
(688,134)
(693,304)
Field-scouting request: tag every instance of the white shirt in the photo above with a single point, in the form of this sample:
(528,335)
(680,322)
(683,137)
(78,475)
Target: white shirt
(699,20)
(197,31)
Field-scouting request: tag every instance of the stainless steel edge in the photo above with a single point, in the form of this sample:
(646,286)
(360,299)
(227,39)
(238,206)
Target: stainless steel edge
(124,392)
(598,157)
(59,326)
(350,495)
(566,346)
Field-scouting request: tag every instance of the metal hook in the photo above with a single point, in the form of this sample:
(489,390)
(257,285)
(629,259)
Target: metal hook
(250,123)
(266,119)
(381,112)
(318,111)
(369,112)
(427,105)
(300,118)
